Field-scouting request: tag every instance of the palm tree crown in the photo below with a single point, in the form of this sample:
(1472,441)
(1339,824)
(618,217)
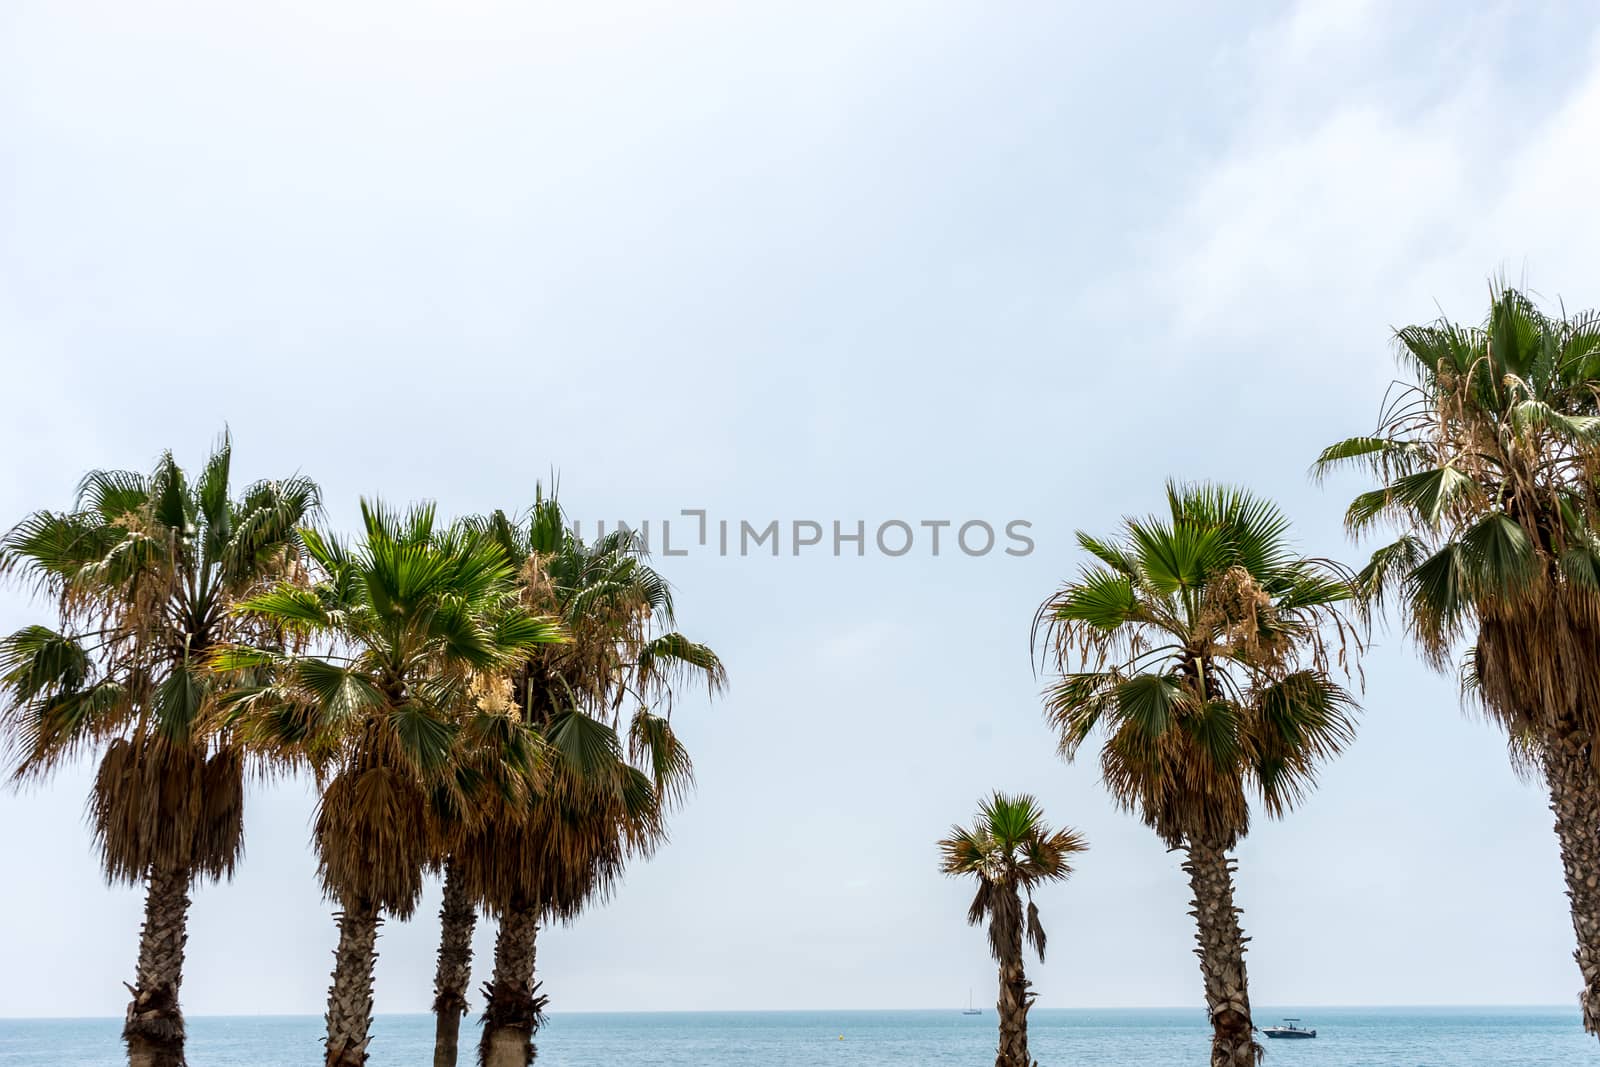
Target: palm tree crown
(1488,456)
(608,776)
(146,572)
(1203,647)
(1009,849)
(409,621)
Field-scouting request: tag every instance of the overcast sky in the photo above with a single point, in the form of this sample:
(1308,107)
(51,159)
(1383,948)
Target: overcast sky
(915,261)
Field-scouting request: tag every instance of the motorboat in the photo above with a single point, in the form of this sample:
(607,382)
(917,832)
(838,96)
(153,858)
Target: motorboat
(1290,1028)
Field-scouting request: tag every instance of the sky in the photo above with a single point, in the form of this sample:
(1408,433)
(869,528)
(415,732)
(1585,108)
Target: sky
(802,261)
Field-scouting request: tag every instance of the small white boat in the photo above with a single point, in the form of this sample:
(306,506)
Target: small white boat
(1290,1028)
(969,1009)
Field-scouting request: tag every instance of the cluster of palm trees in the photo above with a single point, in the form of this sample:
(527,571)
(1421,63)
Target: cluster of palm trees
(1210,661)
(488,699)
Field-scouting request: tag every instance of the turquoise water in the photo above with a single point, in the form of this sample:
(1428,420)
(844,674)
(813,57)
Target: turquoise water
(1368,1037)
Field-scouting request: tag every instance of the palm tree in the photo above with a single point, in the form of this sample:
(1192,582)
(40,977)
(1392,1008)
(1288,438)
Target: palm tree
(145,572)
(1010,850)
(1198,648)
(602,799)
(406,622)
(1487,455)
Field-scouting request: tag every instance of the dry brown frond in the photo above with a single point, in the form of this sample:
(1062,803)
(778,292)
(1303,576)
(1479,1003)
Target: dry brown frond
(168,806)
(372,837)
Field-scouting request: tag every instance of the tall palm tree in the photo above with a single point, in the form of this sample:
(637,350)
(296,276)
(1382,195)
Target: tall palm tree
(1487,456)
(1010,850)
(145,572)
(1198,647)
(602,798)
(405,622)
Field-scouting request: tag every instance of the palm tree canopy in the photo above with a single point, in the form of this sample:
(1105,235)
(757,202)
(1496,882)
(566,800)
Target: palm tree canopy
(1200,646)
(610,776)
(145,572)
(606,589)
(407,625)
(1009,848)
(1487,455)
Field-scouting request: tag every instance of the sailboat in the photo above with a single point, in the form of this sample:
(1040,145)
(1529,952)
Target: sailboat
(970,1010)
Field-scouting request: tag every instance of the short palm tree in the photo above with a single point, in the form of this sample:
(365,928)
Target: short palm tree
(145,572)
(404,623)
(1487,457)
(1198,647)
(1010,850)
(603,797)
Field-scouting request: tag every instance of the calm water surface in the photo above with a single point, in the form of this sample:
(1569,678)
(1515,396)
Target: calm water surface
(1387,1037)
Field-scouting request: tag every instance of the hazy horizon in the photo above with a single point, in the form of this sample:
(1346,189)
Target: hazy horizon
(1266,1010)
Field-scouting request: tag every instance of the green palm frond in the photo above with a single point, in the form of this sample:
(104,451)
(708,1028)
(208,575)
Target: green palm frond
(1385,457)
(38,661)
(1175,557)
(654,745)
(53,548)
(673,656)
(292,607)
(1108,553)
(1103,599)
(586,748)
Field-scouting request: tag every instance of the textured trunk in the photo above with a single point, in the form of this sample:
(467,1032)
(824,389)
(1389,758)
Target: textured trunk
(350,996)
(457,917)
(515,1010)
(1221,955)
(154,1025)
(1575,800)
(1015,999)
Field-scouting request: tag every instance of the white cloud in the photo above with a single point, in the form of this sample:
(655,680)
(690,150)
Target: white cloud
(1357,209)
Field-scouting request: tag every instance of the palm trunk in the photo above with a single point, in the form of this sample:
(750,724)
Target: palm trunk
(154,1025)
(514,1011)
(1015,999)
(350,996)
(457,917)
(1221,955)
(1575,800)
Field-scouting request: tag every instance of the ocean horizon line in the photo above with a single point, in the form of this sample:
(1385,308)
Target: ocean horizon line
(1261,1009)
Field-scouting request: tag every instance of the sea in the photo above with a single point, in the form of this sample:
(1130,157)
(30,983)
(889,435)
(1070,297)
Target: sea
(1346,1037)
